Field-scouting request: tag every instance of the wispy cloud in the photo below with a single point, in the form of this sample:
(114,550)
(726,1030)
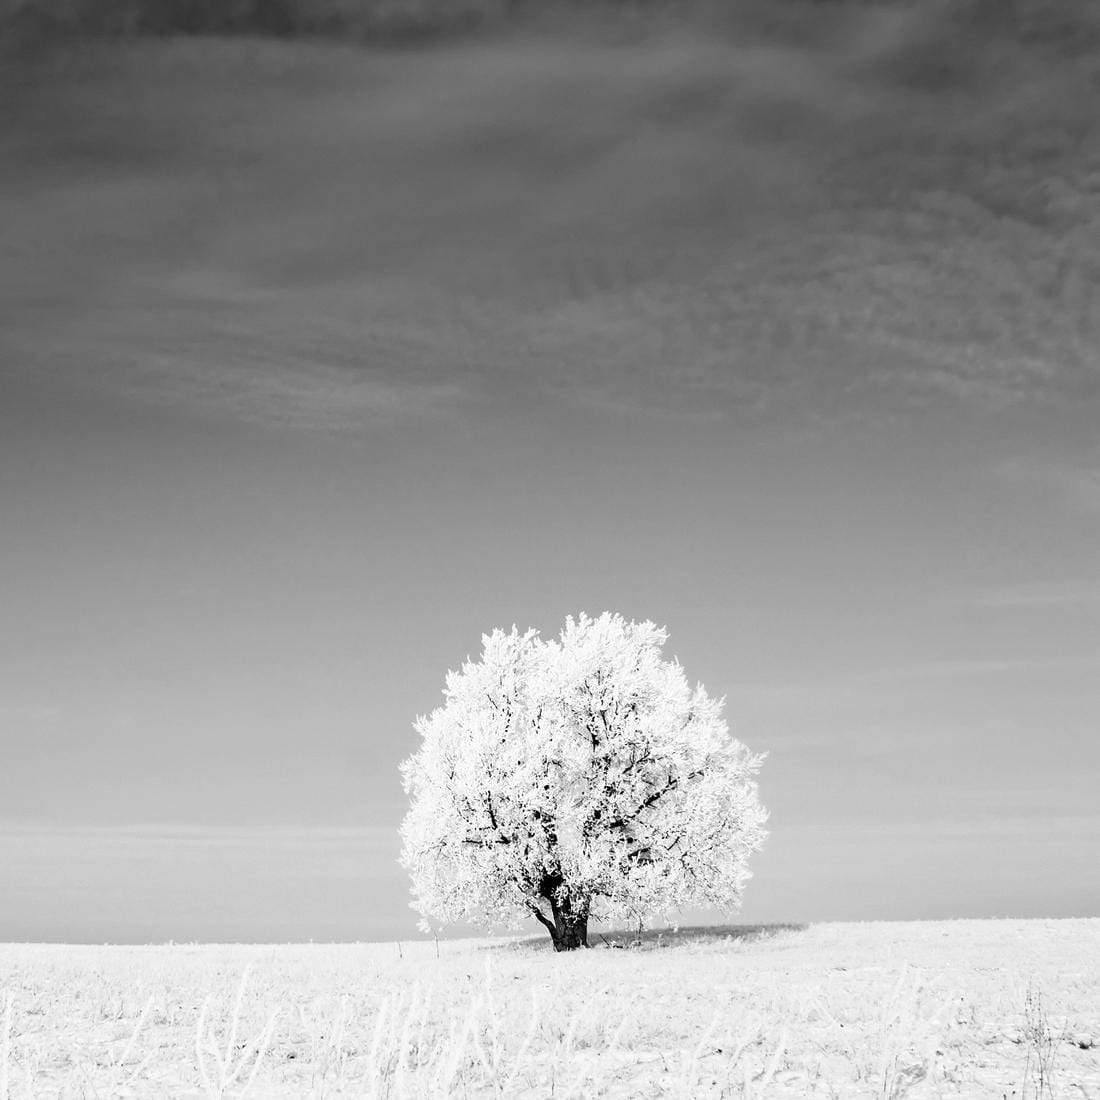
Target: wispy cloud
(699,232)
(1079,594)
(34,714)
(297,837)
(151,883)
(1073,480)
(945,669)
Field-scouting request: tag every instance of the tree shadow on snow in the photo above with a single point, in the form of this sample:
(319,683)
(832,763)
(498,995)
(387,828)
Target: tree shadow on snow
(652,939)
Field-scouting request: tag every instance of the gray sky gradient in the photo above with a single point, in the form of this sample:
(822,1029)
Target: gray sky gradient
(258,494)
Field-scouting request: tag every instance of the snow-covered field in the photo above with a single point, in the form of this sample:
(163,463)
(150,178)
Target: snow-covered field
(962,1008)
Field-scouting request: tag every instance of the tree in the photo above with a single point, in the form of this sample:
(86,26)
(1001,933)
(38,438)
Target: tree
(577,779)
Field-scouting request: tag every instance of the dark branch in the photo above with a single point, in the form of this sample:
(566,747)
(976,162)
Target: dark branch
(484,842)
(542,918)
(672,784)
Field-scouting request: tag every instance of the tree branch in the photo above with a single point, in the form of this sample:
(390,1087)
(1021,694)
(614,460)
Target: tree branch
(542,918)
(482,842)
(672,784)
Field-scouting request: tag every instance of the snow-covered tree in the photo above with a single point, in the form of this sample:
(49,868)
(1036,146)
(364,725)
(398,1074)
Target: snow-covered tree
(577,779)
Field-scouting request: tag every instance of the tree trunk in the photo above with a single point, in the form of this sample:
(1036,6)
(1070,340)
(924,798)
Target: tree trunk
(570,929)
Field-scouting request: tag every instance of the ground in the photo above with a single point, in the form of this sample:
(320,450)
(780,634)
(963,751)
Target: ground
(975,1009)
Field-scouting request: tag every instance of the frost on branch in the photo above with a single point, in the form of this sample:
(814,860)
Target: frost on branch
(574,779)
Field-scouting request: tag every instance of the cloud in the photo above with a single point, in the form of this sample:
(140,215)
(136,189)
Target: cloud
(856,684)
(34,714)
(296,837)
(314,397)
(214,346)
(1075,481)
(1078,594)
(703,231)
(152,883)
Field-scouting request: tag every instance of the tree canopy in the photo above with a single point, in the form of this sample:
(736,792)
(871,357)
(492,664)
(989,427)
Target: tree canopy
(577,778)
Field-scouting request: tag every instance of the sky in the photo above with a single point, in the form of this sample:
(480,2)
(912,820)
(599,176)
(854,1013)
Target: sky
(220,635)
(230,582)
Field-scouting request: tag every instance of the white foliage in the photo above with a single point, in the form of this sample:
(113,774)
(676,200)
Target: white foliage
(586,768)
